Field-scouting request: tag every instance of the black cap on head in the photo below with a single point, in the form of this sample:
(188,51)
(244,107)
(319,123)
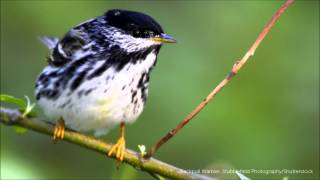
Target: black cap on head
(134,23)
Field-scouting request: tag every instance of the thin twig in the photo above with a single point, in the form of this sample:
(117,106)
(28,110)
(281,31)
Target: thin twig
(153,166)
(236,67)
(156,176)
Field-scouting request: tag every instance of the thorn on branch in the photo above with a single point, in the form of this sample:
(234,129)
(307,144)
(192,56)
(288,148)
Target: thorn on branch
(171,132)
(234,70)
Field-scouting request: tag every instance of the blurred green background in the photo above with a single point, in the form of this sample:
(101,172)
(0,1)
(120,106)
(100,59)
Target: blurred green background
(266,118)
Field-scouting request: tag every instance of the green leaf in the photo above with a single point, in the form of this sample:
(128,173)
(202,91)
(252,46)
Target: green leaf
(25,107)
(29,107)
(20,130)
(142,149)
(12,99)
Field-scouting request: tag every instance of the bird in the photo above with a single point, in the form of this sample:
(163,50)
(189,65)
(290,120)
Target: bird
(97,75)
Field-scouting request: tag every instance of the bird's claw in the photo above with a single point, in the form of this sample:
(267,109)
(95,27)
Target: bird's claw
(58,133)
(118,149)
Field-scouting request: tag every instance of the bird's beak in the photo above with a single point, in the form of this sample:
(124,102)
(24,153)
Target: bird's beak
(164,38)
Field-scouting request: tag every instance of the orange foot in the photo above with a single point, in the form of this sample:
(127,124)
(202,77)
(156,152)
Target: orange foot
(58,133)
(120,146)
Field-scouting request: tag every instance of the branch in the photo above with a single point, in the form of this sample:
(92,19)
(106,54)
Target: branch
(152,166)
(235,69)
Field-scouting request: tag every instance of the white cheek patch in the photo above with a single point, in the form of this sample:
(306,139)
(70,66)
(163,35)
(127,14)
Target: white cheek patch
(132,44)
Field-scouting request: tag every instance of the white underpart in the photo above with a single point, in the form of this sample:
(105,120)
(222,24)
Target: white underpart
(106,106)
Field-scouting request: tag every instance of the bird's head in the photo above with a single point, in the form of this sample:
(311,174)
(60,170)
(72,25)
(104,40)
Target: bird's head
(119,33)
(134,31)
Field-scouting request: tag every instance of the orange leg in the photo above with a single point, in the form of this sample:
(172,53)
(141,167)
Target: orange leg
(120,146)
(58,133)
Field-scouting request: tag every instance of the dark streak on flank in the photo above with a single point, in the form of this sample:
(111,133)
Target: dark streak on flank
(57,84)
(107,79)
(99,71)
(134,93)
(80,93)
(78,80)
(65,104)
(71,70)
(48,93)
(135,102)
(89,91)
(142,85)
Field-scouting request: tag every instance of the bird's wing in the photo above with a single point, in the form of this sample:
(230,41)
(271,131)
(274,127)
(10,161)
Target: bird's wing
(73,46)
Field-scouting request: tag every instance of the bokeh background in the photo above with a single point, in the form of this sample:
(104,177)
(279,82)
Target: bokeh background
(266,118)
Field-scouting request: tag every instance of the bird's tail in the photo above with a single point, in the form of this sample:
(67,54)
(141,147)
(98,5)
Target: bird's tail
(50,42)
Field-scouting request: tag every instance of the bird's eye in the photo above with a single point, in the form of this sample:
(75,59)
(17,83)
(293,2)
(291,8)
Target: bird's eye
(148,34)
(151,34)
(136,33)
